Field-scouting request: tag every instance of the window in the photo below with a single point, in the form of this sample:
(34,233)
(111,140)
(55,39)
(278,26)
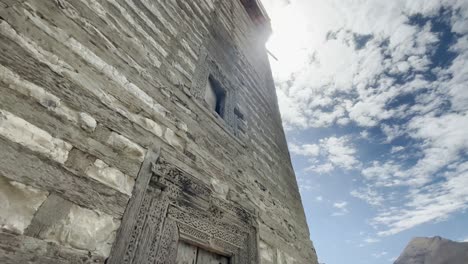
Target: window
(215,96)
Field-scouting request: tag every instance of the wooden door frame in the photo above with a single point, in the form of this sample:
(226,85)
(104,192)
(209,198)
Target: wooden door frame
(169,204)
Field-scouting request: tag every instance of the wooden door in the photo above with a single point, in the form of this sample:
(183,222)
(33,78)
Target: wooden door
(189,254)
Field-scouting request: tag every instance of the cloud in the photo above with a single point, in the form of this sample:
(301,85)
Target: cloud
(309,150)
(368,195)
(370,240)
(321,168)
(391,132)
(325,75)
(345,61)
(342,208)
(433,202)
(340,152)
(442,141)
(328,154)
(340,205)
(380,254)
(396,149)
(394,70)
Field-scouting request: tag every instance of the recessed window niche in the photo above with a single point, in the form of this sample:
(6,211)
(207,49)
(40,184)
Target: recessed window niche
(215,96)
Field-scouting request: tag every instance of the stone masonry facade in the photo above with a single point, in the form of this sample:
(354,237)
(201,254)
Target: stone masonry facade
(130,126)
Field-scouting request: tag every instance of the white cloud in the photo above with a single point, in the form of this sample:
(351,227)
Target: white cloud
(329,153)
(384,174)
(310,150)
(368,195)
(340,205)
(433,202)
(323,74)
(340,152)
(380,254)
(362,63)
(319,198)
(391,132)
(396,149)
(364,134)
(342,208)
(321,168)
(370,240)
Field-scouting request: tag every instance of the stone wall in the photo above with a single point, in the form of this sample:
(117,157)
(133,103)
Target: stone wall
(87,86)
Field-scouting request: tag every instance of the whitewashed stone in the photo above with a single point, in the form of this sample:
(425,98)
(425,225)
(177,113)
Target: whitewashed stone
(51,59)
(85,229)
(173,139)
(18,204)
(22,132)
(87,122)
(49,101)
(220,188)
(284,258)
(111,177)
(98,63)
(125,146)
(152,126)
(267,253)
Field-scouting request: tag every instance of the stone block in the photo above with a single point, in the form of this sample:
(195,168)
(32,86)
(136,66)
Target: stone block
(48,100)
(82,229)
(18,204)
(173,139)
(53,210)
(267,253)
(150,126)
(87,122)
(125,146)
(111,177)
(284,258)
(24,133)
(221,189)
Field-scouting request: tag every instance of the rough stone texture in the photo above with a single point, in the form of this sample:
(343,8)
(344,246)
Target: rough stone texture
(110,176)
(84,229)
(22,132)
(434,250)
(16,249)
(18,203)
(86,86)
(126,147)
(267,255)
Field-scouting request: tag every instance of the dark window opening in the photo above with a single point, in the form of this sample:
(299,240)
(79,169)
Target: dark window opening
(215,96)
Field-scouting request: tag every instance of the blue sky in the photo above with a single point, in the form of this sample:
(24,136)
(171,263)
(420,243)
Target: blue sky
(374,99)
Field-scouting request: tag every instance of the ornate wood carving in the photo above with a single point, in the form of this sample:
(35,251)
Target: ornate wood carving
(169,204)
(134,218)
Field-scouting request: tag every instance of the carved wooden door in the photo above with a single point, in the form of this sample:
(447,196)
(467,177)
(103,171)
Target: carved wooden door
(189,254)
(170,206)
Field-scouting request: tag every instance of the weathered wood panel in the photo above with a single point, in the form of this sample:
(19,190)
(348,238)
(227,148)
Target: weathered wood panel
(186,253)
(206,257)
(134,218)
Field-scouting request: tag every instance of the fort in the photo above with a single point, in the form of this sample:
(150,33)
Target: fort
(143,131)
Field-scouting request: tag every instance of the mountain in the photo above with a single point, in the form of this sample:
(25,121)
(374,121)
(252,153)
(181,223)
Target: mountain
(434,250)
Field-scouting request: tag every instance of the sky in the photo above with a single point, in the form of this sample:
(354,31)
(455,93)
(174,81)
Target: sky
(374,100)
